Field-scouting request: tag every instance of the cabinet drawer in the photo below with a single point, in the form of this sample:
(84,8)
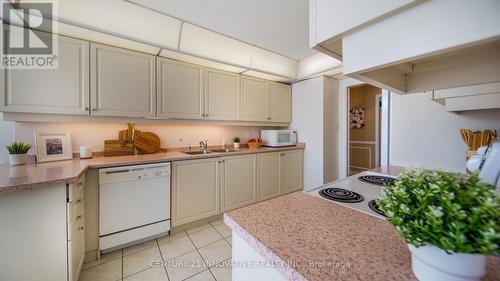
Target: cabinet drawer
(75,190)
(75,228)
(71,253)
(74,209)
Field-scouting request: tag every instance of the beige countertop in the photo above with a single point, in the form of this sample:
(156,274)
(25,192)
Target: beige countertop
(299,229)
(33,176)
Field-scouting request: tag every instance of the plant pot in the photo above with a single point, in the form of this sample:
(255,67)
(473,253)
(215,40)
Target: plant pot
(430,263)
(17,159)
(236,145)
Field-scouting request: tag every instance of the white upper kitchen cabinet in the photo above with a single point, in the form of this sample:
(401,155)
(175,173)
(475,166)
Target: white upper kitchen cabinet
(64,90)
(222,95)
(253,99)
(180,90)
(122,82)
(279,102)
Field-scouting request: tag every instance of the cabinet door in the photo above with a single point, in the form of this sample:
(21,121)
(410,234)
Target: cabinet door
(180,90)
(122,82)
(64,90)
(279,102)
(195,190)
(238,181)
(268,175)
(33,230)
(291,171)
(253,99)
(222,95)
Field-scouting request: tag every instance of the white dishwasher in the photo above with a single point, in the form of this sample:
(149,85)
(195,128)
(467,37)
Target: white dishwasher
(134,204)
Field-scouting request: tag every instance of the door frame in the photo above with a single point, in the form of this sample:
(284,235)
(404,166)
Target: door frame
(378,123)
(344,102)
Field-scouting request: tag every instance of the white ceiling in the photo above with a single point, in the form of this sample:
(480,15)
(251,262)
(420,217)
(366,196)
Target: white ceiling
(281,26)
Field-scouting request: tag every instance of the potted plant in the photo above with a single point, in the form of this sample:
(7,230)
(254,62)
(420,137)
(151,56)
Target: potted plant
(236,142)
(18,152)
(449,220)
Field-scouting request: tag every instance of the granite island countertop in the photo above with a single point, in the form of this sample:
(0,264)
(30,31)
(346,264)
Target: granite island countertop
(33,176)
(300,229)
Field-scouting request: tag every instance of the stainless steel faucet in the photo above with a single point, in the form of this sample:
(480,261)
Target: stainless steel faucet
(204,145)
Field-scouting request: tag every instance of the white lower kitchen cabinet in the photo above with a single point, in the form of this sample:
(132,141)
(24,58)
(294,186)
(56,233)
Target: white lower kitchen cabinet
(207,187)
(76,229)
(280,173)
(195,190)
(243,253)
(292,171)
(43,237)
(269,175)
(238,181)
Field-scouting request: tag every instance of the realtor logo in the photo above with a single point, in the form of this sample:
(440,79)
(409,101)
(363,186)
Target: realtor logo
(24,45)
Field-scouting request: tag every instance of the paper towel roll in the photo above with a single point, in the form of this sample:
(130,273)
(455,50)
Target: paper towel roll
(85,152)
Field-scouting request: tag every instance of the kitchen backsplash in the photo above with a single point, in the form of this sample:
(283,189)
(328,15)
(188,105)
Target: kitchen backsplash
(171,136)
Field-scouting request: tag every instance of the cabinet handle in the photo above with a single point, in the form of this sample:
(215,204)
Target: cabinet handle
(269,118)
(79,217)
(86,108)
(78,201)
(94,109)
(80,228)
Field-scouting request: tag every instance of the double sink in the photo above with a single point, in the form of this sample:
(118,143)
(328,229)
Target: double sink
(220,150)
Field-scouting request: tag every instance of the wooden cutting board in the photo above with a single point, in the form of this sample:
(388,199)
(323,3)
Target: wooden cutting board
(117,148)
(128,135)
(147,143)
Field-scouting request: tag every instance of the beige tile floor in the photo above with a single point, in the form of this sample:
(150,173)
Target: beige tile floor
(202,253)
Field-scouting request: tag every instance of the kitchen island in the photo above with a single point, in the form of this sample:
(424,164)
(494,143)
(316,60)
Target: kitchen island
(302,237)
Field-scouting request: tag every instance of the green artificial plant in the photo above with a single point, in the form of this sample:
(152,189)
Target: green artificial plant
(455,212)
(18,148)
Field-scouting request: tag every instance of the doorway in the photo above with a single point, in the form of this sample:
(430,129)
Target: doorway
(364,109)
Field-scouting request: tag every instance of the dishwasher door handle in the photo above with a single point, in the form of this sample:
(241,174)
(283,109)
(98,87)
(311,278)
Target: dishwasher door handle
(117,171)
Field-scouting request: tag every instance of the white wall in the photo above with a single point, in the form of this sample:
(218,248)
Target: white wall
(423,134)
(334,17)
(94,134)
(6,137)
(331,119)
(314,116)
(307,119)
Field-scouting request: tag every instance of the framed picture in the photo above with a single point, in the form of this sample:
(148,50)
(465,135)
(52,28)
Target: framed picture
(53,146)
(357,118)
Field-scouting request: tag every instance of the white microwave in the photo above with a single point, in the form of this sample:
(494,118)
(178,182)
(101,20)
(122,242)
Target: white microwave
(277,138)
